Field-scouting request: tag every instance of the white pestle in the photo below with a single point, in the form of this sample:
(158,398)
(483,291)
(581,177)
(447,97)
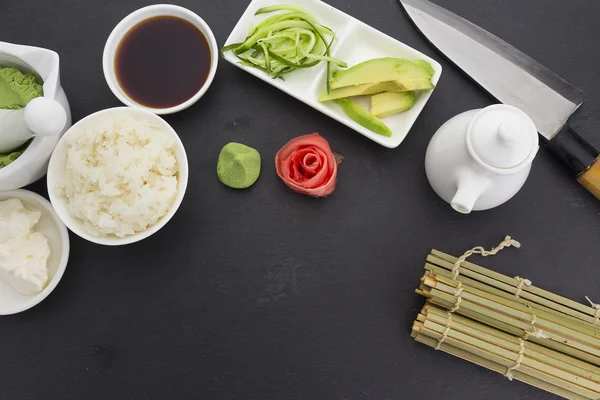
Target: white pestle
(45,117)
(42,117)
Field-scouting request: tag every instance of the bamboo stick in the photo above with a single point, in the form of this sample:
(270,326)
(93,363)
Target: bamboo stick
(531,290)
(550,363)
(491,351)
(585,369)
(519,304)
(555,331)
(507,288)
(515,326)
(545,305)
(508,328)
(574,322)
(483,362)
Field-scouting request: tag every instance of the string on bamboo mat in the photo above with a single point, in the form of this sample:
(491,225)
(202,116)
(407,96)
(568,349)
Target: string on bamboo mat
(538,333)
(507,242)
(517,364)
(597,307)
(457,293)
(446,332)
(522,283)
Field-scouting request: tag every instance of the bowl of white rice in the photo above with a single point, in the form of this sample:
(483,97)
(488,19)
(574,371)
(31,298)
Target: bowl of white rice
(118,176)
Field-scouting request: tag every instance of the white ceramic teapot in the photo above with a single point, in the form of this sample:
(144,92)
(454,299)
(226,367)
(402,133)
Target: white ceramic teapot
(45,118)
(481,158)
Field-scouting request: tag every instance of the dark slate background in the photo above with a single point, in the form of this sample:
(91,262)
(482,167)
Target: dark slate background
(267,294)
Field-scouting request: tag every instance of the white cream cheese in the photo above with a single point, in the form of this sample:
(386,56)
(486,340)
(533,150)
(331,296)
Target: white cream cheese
(23,253)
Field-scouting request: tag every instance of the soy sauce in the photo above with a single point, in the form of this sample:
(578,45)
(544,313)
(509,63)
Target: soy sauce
(162,62)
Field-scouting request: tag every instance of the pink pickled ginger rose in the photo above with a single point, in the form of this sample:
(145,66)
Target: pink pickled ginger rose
(307,165)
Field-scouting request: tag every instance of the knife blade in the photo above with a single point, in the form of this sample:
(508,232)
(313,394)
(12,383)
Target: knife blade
(513,78)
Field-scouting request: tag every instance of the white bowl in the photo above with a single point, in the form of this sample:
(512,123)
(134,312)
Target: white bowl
(11,301)
(110,48)
(33,163)
(56,170)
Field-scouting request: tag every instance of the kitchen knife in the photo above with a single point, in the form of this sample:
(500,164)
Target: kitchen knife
(515,79)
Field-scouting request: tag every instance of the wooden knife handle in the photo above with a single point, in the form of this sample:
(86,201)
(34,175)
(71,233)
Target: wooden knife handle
(581,158)
(590,178)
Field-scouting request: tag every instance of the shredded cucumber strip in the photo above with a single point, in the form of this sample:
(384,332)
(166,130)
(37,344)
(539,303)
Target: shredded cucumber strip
(284,7)
(271,20)
(330,59)
(281,43)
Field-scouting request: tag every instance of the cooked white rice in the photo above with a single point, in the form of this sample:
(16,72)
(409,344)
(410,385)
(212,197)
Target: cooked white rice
(120,176)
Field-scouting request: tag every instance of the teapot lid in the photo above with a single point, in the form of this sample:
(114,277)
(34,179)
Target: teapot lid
(502,137)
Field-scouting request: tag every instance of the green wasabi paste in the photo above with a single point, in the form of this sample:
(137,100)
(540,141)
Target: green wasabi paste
(238,166)
(16,90)
(6,159)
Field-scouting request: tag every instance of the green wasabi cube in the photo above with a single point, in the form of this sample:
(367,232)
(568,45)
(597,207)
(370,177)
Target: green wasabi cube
(238,166)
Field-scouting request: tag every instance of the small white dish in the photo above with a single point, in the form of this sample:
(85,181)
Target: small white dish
(56,170)
(355,42)
(157,10)
(13,302)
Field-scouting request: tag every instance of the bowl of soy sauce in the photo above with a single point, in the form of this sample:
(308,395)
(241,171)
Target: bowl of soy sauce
(161,58)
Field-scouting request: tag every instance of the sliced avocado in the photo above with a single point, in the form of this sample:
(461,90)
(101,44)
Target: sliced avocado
(364,117)
(410,75)
(386,104)
(362,90)
(425,65)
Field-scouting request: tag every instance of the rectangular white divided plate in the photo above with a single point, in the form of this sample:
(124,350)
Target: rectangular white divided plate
(355,42)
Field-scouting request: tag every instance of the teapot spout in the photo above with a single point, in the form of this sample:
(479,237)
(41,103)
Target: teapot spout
(470,187)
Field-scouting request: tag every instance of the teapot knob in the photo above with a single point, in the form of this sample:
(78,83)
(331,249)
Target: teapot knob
(45,117)
(503,138)
(509,132)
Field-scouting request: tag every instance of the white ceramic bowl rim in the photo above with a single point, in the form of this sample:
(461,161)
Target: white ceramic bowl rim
(47,208)
(138,16)
(74,224)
